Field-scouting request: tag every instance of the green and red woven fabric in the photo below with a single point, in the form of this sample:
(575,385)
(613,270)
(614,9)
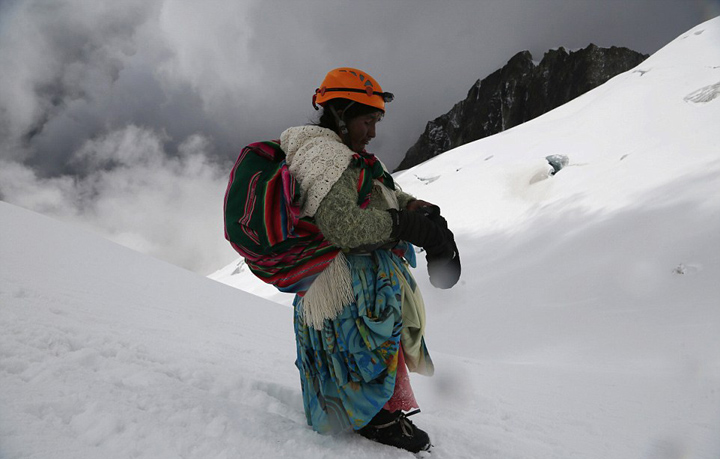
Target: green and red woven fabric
(262,217)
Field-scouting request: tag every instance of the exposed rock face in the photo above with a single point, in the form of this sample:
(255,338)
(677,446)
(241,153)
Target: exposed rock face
(519,92)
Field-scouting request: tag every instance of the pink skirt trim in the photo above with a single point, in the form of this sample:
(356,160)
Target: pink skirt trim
(403,397)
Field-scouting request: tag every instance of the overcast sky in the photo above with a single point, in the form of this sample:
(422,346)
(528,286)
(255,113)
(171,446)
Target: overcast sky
(124,116)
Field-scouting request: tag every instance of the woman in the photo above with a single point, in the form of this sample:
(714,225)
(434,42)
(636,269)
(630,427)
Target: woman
(359,326)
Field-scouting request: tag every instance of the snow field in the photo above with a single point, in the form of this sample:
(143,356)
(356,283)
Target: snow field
(586,323)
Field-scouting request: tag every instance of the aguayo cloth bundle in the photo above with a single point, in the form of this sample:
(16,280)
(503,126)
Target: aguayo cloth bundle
(264,223)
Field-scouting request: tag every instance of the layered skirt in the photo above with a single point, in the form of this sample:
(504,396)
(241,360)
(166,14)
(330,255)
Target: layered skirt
(355,365)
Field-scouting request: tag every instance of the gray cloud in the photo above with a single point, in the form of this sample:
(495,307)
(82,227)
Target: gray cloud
(134,193)
(95,93)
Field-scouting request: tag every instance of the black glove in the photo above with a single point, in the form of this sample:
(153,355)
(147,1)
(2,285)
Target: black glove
(443,269)
(416,228)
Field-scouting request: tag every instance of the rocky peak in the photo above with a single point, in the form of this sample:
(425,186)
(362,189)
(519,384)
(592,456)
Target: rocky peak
(519,92)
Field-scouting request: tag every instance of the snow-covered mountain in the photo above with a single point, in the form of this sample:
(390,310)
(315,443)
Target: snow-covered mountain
(521,90)
(586,324)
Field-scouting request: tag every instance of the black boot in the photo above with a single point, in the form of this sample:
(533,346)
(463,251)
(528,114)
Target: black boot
(395,429)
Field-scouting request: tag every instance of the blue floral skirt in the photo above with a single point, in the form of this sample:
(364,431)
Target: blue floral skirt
(348,369)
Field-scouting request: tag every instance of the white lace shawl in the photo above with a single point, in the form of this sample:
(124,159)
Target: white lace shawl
(317,158)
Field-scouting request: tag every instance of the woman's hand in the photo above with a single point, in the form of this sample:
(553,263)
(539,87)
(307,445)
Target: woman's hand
(416,204)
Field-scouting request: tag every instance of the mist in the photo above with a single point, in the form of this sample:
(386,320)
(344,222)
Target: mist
(125,117)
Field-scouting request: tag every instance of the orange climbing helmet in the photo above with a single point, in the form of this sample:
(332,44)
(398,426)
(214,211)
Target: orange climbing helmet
(352,84)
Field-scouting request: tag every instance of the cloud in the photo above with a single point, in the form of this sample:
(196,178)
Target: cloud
(166,206)
(243,71)
(124,116)
(55,56)
(113,117)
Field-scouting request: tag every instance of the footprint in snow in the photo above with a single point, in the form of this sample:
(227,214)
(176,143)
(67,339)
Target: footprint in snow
(282,394)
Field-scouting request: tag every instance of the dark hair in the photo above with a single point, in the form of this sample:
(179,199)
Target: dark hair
(327,119)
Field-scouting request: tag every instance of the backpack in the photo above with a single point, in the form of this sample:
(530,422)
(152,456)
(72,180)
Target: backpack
(263,224)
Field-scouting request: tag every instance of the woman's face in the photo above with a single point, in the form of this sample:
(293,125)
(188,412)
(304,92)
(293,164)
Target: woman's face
(362,130)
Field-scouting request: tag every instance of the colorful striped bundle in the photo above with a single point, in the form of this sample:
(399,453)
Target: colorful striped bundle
(262,221)
(262,217)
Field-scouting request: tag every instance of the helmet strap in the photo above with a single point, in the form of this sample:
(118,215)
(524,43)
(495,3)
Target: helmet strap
(339,118)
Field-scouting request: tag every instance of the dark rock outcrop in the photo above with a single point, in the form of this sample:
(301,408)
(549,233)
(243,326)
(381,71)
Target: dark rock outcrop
(519,92)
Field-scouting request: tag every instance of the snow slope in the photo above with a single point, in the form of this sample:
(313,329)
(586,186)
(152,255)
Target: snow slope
(586,324)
